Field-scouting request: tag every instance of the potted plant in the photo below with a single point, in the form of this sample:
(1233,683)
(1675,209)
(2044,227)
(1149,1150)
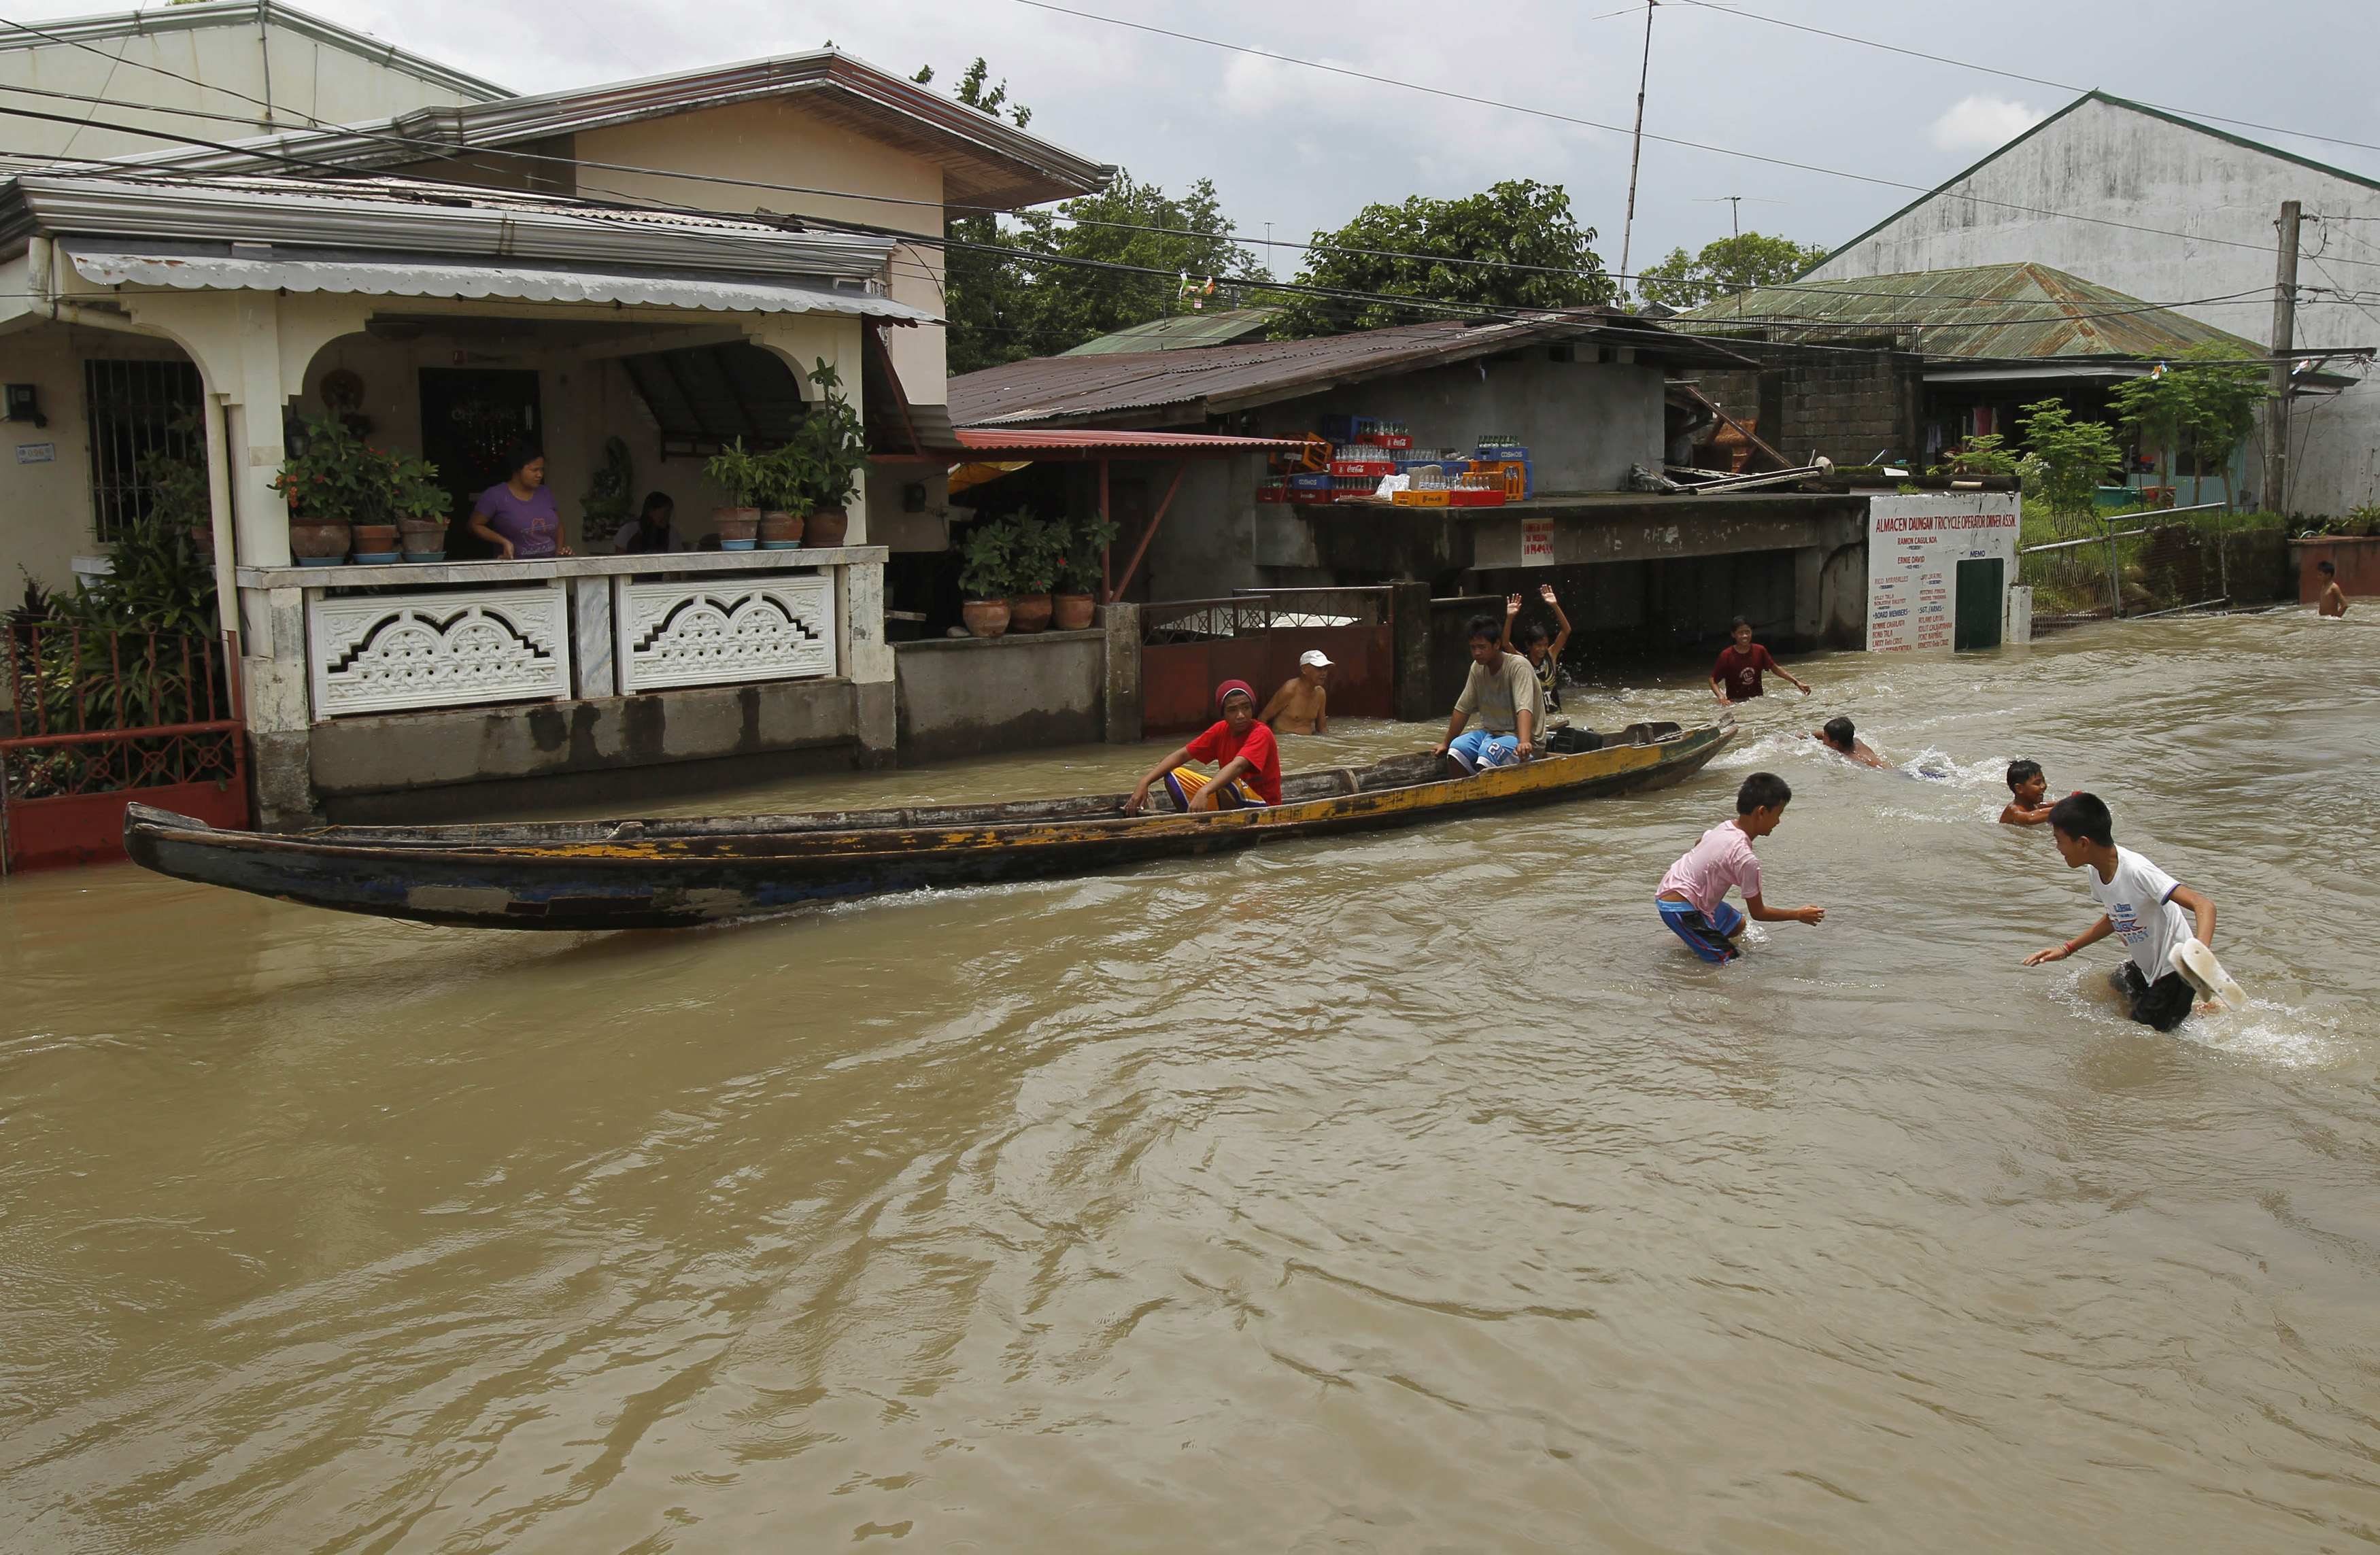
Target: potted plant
(783,496)
(317,480)
(421,504)
(611,500)
(1036,547)
(984,561)
(833,448)
(1079,570)
(741,476)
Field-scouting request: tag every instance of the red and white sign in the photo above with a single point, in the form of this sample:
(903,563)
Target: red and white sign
(1537,543)
(1914,546)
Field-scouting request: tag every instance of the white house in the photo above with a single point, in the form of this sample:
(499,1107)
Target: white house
(217,70)
(2184,215)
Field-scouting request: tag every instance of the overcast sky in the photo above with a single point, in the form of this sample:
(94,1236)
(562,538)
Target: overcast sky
(1304,149)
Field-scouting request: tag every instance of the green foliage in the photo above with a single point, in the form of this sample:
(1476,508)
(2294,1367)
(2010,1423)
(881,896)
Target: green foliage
(610,498)
(1725,268)
(1037,553)
(828,449)
(744,476)
(987,568)
(1538,258)
(1080,570)
(2205,401)
(1980,455)
(333,475)
(2069,458)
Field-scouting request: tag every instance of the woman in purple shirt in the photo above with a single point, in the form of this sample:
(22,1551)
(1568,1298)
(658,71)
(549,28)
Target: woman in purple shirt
(517,515)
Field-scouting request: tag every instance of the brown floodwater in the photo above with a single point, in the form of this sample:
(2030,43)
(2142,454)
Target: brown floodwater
(1415,1192)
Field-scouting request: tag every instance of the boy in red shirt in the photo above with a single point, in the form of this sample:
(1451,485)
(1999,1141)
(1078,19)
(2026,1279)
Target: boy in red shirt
(1243,749)
(1736,677)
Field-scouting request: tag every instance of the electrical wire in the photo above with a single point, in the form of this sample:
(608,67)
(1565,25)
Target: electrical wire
(1743,15)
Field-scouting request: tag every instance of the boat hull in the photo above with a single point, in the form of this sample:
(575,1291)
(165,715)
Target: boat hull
(666,875)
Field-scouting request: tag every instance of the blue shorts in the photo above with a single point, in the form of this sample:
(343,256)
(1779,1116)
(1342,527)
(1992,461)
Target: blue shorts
(1711,938)
(1476,748)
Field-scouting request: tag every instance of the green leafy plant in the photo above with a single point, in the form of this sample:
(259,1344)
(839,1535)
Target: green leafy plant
(986,565)
(2068,459)
(1081,569)
(1728,267)
(609,501)
(830,448)
(742,475)
(1980,455)
(1037,553)
(330,475)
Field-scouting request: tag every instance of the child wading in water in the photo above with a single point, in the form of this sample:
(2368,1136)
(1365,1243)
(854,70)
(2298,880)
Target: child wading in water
(2028,796)
(2144,908)
(1691,895)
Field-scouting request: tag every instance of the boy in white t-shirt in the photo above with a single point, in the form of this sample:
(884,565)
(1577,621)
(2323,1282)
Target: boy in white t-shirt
(2144,908)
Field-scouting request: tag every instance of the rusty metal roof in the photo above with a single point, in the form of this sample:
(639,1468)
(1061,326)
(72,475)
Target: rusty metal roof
(1091,443)
(1141,387)
(1181,333)
(1991,312)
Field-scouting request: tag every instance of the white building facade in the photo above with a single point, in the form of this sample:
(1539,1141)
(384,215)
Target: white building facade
(2182,215)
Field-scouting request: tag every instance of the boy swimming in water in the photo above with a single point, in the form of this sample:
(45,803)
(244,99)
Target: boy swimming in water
(1840,737)
(1690,897)
(2143,907)
(2029,804)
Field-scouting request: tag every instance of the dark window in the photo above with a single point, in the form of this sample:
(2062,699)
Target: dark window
(136,409)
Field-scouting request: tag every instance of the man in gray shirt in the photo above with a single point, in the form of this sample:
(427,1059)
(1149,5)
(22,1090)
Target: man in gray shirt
(1502,702)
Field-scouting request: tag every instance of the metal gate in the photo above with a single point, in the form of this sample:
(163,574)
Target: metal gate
(1190,646)
(103,719)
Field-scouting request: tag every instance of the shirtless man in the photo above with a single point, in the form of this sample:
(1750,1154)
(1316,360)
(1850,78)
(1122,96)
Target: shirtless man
(1840,737)
(2334,600)
(1301,706)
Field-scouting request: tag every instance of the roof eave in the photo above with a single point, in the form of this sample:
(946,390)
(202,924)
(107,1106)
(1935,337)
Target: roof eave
(193,17)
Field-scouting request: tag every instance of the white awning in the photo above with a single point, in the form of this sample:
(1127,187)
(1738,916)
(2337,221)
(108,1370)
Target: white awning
(711,293)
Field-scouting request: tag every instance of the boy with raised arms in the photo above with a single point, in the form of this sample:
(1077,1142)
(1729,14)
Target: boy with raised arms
(2142,907)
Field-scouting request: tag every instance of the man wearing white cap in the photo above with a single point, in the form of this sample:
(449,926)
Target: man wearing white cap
(1300,707)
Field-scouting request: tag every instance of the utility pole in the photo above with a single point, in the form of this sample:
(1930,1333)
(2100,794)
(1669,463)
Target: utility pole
(2285,319)
(1636,151)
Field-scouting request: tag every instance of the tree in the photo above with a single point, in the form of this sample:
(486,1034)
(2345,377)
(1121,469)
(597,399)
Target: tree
(1533,255)
(2069,458)
(1041,297)
(2227,394)
(1725,268)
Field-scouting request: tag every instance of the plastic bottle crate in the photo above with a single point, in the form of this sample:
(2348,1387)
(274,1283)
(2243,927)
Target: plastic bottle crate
(1518,480)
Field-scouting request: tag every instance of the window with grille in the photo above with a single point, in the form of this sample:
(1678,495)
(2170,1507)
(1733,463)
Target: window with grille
(136,409)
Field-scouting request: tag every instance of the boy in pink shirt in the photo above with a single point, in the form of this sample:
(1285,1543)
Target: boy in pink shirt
(1691,895)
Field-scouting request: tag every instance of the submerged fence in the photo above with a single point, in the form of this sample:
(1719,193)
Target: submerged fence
(2144,564)
(104,718)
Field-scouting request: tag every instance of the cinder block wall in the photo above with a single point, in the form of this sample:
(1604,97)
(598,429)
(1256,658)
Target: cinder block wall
(1846,405)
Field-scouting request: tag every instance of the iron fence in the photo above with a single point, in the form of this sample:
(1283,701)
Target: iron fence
(99,713)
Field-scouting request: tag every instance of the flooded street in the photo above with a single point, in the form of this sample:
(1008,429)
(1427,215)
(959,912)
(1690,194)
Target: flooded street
(1411,1192)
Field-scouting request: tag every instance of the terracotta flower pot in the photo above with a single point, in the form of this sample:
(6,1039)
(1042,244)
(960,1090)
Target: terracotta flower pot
(319,544)
(375,537)
(827,527)
(1028,613)
(985,619)
(780,531)
(737,527)
(1071,612)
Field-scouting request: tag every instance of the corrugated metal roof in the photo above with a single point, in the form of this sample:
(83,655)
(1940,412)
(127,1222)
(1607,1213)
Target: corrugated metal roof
(1186,386)
(1993,313)
(392,277)
(1047,441)
(1181,333)
(85,32)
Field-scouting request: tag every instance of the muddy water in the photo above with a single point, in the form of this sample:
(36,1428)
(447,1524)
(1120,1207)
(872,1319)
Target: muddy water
(1410,1193)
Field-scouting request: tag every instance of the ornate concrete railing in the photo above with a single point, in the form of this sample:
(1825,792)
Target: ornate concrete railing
(400,637)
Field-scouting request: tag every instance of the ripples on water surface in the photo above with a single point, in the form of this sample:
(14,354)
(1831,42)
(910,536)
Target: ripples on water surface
(1414,1192)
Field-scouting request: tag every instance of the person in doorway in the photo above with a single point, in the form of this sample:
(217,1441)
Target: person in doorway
(1692,896)
(1247,761)
(2028,796)
(1736,677)
(648,532)
(1544,649)
(517,515)
(1839,736)
(1301,705)
(2334,600)
(2142,907)
(1498,703)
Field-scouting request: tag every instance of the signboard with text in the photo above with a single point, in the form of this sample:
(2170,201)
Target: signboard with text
(1914,546)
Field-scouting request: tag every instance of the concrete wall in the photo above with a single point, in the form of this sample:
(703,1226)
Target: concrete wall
(409,766)
(1847,405)
(973,695)
(2123,166)
(303,77)
(46,508)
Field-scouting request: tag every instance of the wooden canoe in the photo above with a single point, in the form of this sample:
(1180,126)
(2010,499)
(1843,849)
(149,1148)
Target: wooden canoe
(677,873)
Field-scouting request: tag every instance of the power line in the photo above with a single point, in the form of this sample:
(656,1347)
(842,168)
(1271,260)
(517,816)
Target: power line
(2013,75)
(1617,130)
